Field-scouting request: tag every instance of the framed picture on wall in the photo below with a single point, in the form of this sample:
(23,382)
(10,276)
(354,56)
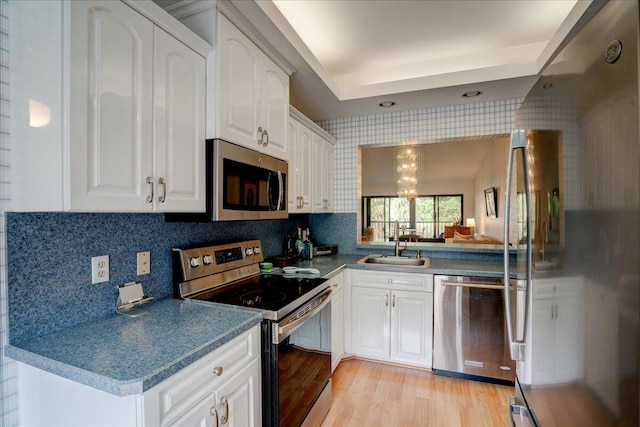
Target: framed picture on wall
(491,202)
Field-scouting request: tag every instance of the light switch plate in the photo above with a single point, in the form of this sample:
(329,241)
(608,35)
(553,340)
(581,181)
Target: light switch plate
(100,269)
(144,263)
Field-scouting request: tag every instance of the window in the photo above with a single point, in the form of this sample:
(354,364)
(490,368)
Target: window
(424,216)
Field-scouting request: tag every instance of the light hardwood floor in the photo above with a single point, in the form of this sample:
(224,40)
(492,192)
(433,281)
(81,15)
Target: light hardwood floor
(373,394)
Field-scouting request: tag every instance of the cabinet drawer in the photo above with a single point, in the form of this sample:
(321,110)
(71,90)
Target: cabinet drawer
(557,287)
(393,280)
(337,282)
(179,393)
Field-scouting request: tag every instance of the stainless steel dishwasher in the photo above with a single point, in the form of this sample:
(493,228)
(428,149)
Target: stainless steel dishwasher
(469,332)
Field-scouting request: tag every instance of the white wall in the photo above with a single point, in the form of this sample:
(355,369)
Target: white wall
(492,173)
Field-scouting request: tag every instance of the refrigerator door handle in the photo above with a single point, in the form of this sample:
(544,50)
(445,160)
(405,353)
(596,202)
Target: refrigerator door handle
(519,414)
(517,346)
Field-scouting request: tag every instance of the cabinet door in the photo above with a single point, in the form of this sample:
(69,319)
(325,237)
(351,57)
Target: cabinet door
(274,109)
(179,126)
(370,322)
(411,327)
(542,332)
(110,124)
(238,88)
(569,339)
(299,144)
(239,398)
(337,328)
(328,176)
(294,166)
(305,170)
(203,415)
(318,164)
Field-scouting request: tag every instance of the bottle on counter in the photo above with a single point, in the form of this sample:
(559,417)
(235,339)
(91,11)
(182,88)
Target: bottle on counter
(299,242)
(307,252)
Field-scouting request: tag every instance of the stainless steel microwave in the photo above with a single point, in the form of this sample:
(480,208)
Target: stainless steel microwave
(242,184)
(247,184)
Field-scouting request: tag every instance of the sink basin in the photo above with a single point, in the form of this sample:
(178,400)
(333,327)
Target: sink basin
(395,261)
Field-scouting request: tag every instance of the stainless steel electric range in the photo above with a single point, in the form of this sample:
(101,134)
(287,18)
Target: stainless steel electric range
(295,332)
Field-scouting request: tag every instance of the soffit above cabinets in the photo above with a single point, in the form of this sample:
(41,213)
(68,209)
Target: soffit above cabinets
(350,55)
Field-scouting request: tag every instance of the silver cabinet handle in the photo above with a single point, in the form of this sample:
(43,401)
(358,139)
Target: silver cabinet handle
(265,143)
(260,135)
(162,196)
(393,301)
(214,413)
(217,371)
(149,182)
(517,346)
(225,416)
(386,300)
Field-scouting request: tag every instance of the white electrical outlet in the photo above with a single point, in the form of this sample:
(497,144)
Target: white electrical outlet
(100,269)
(144,263)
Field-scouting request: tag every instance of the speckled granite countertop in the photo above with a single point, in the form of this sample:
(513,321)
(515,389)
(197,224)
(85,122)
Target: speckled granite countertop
(329,265)
(123,355)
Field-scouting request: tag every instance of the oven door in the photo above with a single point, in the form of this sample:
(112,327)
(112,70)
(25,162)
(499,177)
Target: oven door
(249,184)
(301,356)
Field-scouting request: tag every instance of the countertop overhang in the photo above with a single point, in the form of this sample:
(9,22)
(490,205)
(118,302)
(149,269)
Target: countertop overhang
(125,355)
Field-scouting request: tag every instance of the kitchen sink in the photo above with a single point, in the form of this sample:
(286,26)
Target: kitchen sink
(402,261)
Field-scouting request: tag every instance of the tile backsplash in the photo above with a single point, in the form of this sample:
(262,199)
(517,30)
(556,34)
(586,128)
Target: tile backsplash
(49,260)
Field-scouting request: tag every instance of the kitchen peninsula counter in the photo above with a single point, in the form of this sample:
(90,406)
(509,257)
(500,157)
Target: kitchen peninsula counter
(125,355)
(470,266)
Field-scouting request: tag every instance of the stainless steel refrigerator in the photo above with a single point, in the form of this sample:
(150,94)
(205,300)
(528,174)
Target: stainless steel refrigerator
(573,192)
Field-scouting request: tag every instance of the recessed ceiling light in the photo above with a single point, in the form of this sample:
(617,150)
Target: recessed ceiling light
(472,93)
(387,104)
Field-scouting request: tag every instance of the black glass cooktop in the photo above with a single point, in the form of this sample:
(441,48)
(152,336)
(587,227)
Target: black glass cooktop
(265,291)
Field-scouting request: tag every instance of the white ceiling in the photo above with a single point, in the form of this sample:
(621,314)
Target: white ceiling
(349,55)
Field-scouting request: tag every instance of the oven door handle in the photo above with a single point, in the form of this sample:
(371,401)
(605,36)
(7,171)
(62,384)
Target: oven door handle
(281,332)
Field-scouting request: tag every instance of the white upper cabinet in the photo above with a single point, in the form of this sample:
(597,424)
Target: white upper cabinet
(248,90)
(300,167)
(131,100)
(323,164)
(111,106)
(178,126)
(253,94)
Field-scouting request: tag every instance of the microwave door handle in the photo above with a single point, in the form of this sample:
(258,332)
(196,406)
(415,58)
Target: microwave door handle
(516,346)
(269,204)
(280,191)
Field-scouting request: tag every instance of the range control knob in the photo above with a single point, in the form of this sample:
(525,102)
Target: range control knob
(248,252)
(256,250)
(207,259)
(194,262)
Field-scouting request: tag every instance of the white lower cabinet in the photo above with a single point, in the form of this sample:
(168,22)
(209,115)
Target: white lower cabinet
(232,404)
(226,383)
(557,332)
(337,320)
(392,316)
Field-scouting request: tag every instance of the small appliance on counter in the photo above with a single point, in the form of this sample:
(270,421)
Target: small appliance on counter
(325,250)
(285,260)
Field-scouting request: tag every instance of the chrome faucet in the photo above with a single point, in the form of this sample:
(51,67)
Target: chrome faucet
(396,236)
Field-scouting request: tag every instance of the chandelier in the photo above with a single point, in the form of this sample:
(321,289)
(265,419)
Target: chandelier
(406,171)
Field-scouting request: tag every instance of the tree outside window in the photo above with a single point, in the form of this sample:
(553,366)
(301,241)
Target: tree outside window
(425,216)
